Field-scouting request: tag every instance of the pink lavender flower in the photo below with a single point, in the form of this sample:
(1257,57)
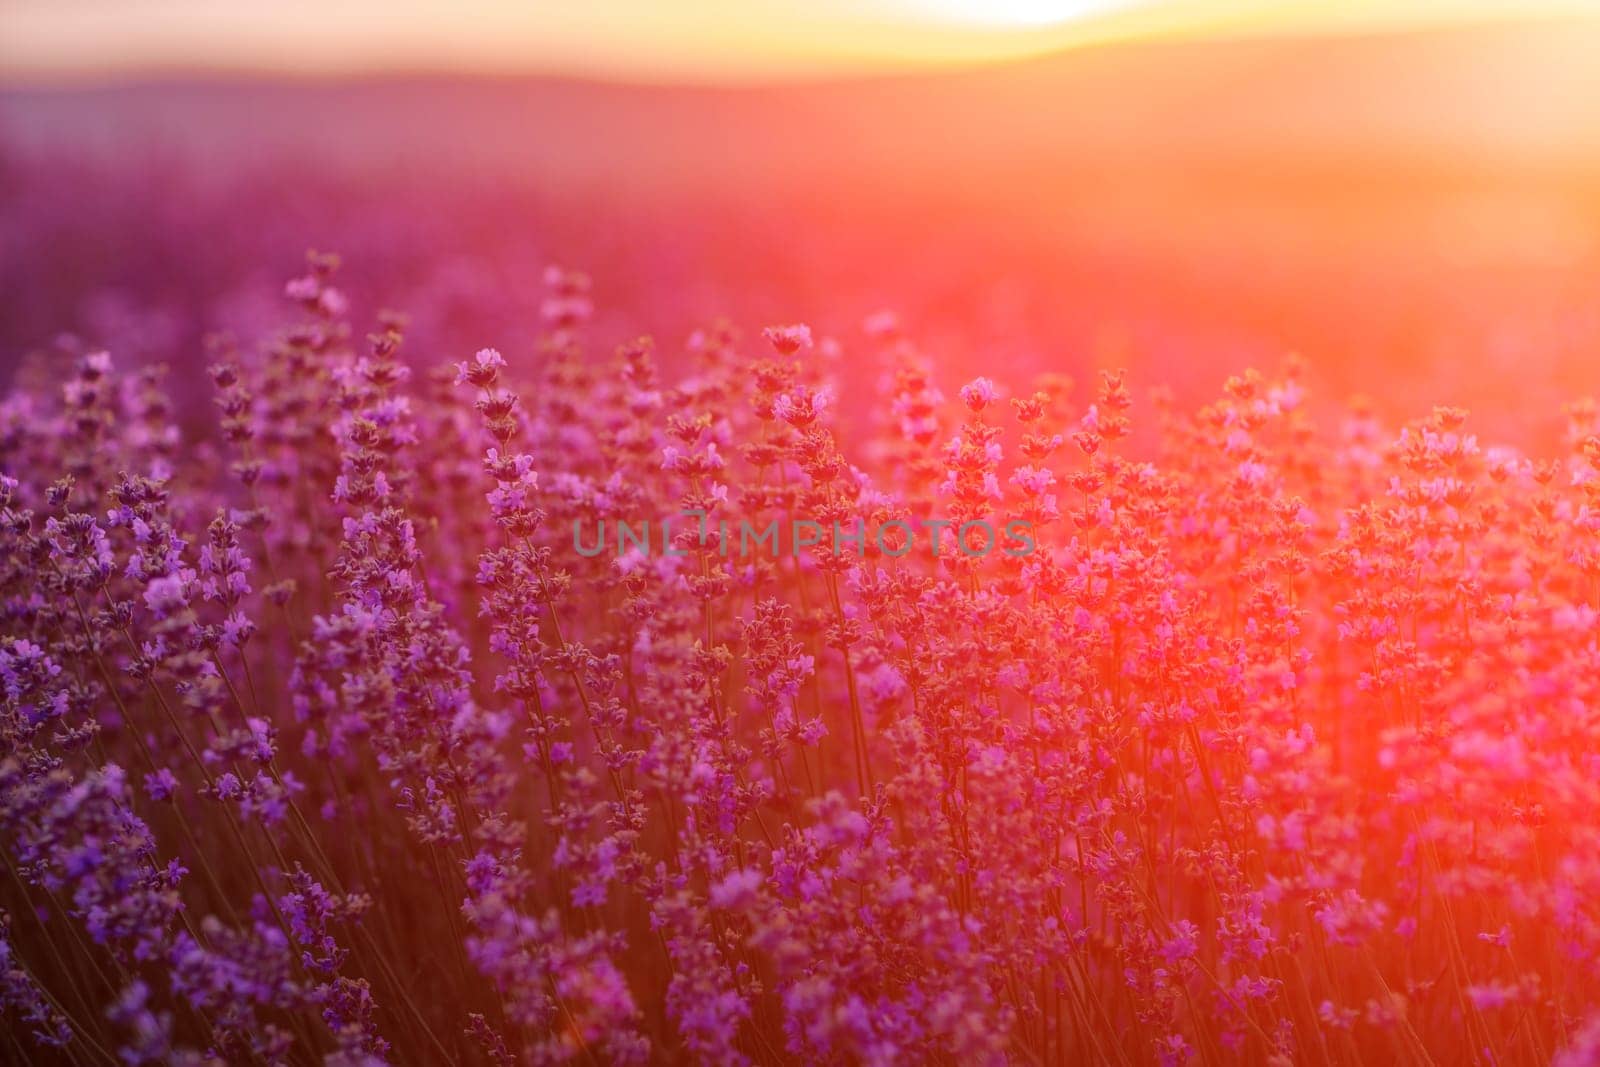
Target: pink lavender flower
(788,340)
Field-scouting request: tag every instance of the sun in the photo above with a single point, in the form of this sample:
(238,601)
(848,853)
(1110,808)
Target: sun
(1017,13)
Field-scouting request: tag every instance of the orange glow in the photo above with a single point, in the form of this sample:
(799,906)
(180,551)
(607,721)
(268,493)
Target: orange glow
(683,40)
(1018,12)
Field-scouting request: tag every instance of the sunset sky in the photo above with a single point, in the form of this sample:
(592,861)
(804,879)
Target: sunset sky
(671,40)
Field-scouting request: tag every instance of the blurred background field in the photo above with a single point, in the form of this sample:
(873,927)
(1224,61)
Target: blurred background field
(1416,212)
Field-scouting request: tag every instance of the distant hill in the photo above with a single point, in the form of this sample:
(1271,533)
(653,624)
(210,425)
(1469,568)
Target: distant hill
(1498,96)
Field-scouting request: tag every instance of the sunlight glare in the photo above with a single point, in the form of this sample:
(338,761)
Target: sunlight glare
(1017,13)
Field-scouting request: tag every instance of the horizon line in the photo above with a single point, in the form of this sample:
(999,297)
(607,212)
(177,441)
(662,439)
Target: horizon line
(838,70)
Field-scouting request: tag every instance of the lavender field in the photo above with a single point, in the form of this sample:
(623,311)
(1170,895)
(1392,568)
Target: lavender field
(1106,572)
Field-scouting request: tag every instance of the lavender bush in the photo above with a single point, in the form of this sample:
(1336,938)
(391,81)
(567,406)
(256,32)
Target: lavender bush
(323,740)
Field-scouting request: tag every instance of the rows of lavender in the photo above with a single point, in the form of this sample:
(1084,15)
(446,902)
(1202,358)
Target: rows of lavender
(324,739)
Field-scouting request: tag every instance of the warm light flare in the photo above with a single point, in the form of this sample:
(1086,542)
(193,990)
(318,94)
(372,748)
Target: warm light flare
(1016,13)
(685,41)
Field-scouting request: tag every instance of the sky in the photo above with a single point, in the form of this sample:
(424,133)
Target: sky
(647,40)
